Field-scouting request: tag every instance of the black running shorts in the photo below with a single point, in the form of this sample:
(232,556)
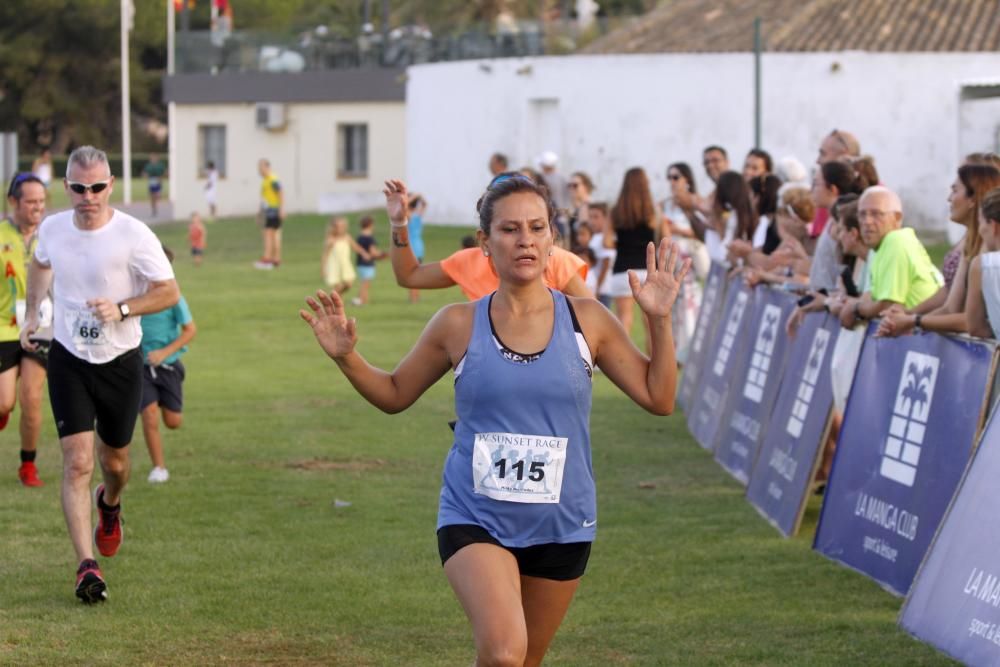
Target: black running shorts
(560,562)
(10,354)
(163,385)
(82,393)
(272,218)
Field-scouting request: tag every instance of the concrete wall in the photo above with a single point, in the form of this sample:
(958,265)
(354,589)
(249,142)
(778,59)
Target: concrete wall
(604,114)
(303,154)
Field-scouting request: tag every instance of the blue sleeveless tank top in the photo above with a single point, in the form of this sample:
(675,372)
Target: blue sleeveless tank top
(520,464)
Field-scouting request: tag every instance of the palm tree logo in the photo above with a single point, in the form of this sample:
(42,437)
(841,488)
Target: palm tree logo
(916,390)
(770,325)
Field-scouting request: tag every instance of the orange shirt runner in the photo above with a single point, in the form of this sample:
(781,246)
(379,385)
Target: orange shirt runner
(473,272)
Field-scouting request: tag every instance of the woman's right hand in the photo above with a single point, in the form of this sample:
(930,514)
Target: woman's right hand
(334,332)
(396,201)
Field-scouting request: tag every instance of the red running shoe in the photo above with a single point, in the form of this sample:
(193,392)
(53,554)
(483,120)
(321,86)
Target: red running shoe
(109,534)
(90,586)
(29,474)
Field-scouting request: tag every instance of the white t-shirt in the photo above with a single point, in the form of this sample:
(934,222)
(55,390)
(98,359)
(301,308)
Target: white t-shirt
(116,262)
(718,247)
(760,233)
(602,253)
(211,183)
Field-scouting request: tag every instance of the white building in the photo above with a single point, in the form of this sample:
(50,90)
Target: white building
(917,112)
(332,137)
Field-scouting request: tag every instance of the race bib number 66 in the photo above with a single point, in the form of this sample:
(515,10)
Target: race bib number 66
(85,328)
(519,468)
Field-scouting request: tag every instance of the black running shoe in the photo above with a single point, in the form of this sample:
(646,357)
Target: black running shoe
(90,586)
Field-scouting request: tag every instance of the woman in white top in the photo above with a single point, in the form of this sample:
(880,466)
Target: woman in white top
(687,223)
(982,308)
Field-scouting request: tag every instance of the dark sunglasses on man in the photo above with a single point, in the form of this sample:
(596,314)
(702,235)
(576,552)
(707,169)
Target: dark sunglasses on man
(80,188)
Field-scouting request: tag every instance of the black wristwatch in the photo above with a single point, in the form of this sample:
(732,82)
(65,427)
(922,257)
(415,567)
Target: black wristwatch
(857,311)
(124,310)
(916,323)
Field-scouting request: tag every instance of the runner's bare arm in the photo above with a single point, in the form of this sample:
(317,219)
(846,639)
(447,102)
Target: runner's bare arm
(430,358)
(408,271)
(160,295)
(650,382)
(39,284)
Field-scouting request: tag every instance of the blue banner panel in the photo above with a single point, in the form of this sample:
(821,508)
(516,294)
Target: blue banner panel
(908,431)
(781,479)
(955,600)
(756,382)
(728,346)
(712,301)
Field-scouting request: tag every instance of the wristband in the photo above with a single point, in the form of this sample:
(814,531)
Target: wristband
(405,223)
(857,311)
(916,323)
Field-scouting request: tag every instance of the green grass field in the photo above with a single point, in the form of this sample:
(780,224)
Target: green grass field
(243,558)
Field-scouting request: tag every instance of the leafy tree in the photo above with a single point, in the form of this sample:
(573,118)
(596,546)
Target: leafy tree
(60,70)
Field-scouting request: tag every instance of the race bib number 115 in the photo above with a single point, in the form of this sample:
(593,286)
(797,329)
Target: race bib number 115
(519,468)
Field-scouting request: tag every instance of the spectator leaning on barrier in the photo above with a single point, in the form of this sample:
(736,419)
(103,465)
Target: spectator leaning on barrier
(983,306)
(832,180)
(838,146)
(945,312)
(949,266)
(901,271)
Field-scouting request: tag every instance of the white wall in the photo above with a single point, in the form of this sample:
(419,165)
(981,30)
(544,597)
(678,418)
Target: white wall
(649,110)
(303,155)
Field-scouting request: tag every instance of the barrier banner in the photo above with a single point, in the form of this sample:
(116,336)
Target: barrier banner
(755,383)
(909,427)
(955,600)
(712,300)
(793,442)
(724,354)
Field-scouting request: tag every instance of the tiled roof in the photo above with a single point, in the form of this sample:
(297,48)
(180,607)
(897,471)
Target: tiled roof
(810,25)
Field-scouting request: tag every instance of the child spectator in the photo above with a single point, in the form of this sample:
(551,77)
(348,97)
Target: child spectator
(587,254)
(196,237)
(417,207)
(165,336)
(367,254)
(337,268)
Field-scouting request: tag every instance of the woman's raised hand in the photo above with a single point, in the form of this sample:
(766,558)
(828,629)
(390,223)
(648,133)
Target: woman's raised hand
(657,294)
(396,201)
(334,332)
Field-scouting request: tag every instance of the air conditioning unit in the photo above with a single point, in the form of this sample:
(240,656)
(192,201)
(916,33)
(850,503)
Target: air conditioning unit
(270,116)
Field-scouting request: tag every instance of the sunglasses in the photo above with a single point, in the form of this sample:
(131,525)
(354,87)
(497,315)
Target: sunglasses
(80,188)
(510,176)
(674,177)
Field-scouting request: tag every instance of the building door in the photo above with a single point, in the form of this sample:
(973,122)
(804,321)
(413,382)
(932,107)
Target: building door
(544,131)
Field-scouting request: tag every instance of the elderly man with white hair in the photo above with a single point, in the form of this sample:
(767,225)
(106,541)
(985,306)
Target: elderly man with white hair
(901,271)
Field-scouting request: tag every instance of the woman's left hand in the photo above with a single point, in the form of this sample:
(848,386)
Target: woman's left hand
(657,294)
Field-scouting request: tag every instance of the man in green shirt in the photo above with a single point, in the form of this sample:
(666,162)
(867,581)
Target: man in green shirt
(901,271)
